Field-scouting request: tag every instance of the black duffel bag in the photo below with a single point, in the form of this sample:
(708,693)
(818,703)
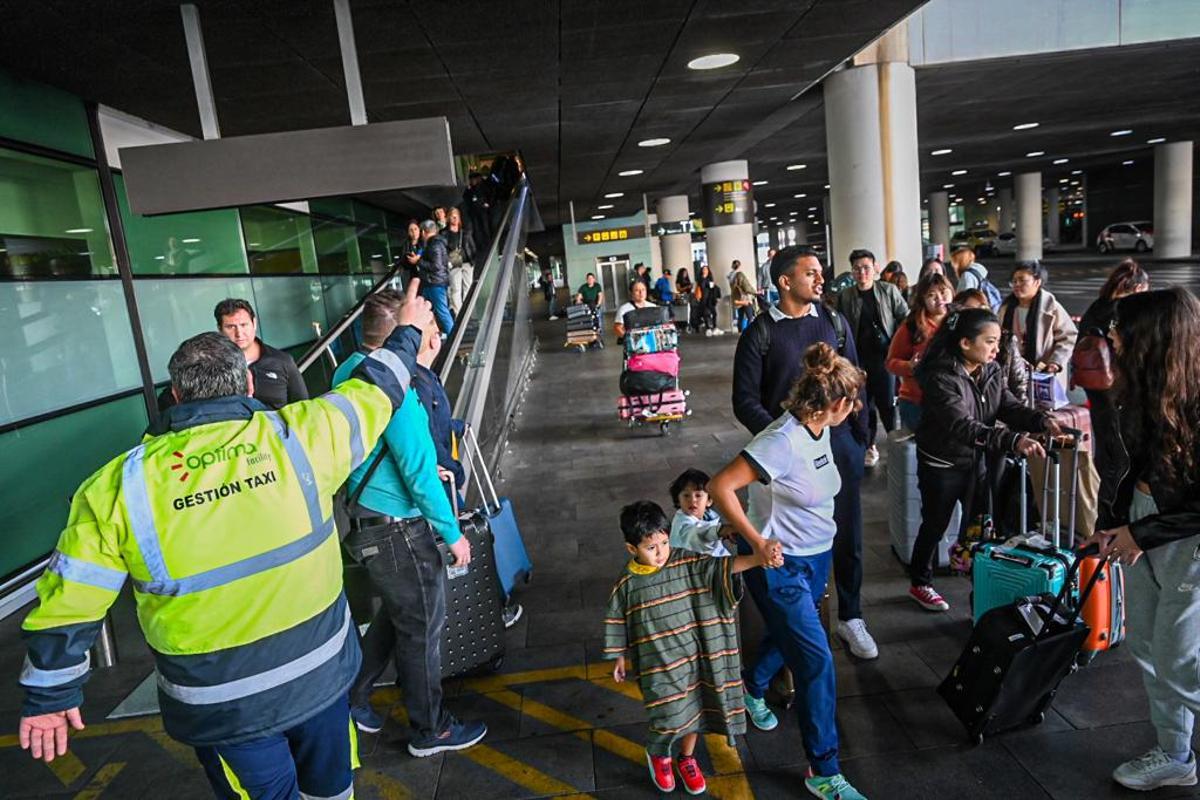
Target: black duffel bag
(648,382)
(647,317)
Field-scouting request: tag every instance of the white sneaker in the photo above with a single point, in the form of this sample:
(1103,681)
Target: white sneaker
(708,332)
(553,317)
(1155,769)
(719,332)
(872,456)
(854,633)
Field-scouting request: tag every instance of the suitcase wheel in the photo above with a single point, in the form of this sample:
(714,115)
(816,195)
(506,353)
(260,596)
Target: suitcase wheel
(1038,718)
(976,740)
(495,664)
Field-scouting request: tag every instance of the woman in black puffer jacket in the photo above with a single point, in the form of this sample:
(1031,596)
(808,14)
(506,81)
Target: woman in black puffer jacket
(966,398)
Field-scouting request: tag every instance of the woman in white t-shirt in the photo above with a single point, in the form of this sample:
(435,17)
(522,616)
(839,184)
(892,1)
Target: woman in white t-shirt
(792,457)
(637,299)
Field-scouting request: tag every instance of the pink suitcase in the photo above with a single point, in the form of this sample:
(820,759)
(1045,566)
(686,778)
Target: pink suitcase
(667,362)
(668,403)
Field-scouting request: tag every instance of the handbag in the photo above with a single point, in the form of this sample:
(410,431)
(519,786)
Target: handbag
(1091,363)
(1048,394)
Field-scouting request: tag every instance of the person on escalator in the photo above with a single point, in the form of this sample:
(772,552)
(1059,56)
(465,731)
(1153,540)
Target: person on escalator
(434,271)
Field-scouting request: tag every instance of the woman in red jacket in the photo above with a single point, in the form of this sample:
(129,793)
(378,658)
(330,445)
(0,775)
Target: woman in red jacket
(930,300)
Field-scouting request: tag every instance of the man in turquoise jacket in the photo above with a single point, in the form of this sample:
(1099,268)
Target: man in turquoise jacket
(397,519)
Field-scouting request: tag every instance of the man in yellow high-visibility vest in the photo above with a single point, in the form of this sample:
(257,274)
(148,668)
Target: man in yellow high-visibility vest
(223,519)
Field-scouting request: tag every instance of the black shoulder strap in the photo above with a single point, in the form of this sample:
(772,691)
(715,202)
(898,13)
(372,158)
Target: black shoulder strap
(839,327)
(375,462)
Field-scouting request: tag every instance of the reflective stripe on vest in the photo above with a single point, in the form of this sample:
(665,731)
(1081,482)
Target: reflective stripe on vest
(80,571)
(46,678)
(146,534)
(343,404)
(263,681)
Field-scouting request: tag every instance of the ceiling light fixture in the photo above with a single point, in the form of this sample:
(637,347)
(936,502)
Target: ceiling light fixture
(770,205)
(1061,160)
(79,230)
(191,241)
(812,208)
(1122,132)
(1004,174)
(597,216)
(773,218)
(714,61)
(605,207)
(659,142)
(945,151)
(959,172)
(629,173)
(794,167)
(827,186)
(1035,154)
(800,195)
(1024,126)
(947,185)
(1127,163)
(759,183)
(1158,140)
(1064,180)
(1076,172)
(613,195)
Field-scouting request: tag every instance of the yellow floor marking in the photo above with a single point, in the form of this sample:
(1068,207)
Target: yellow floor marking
(389,788)
(177,750)
(521,774)
(103,777)
(67,768)
(629,688)
(491,683)
(581,728)
(731,782)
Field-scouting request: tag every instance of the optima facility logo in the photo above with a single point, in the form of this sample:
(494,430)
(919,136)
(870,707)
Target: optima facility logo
(207,458)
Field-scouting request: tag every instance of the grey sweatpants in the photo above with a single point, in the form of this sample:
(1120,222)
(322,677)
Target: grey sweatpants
(1163,629)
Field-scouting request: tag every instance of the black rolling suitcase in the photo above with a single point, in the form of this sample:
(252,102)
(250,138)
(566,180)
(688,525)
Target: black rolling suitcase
(1018,654)
(473,637)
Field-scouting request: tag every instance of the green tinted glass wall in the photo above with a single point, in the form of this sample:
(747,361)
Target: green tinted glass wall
(182,244)
(51,219)
(41,466)
(278,242)
(38,114)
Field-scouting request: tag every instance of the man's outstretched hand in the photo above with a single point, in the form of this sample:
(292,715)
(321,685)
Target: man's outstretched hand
(45,736)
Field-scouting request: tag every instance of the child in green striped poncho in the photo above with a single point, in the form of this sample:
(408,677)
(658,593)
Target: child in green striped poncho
(672,622)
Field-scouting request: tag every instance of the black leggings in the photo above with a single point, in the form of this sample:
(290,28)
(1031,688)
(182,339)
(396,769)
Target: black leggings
(940,490)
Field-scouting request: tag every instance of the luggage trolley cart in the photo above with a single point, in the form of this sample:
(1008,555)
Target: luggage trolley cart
(650,392)
(583,327)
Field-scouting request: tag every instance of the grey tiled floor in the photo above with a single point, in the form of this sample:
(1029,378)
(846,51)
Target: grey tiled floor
(559,726)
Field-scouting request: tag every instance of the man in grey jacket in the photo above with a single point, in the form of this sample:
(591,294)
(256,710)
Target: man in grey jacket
(874,309)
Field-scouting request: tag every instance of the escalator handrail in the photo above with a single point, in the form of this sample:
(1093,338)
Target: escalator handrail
(345,322)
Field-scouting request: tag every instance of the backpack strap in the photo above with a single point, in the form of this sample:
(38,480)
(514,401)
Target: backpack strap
(839,328)
(352,500)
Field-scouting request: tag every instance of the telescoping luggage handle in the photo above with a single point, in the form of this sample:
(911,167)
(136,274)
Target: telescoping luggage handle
(475,456)
(1080,555)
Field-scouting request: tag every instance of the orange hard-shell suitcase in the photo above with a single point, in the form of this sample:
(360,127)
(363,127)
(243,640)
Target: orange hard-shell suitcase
(1104,609)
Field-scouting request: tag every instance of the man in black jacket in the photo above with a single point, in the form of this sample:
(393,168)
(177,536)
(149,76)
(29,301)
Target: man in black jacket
(769,359)
(277,380)
(434,271)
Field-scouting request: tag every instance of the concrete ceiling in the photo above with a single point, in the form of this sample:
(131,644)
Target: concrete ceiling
(572,84)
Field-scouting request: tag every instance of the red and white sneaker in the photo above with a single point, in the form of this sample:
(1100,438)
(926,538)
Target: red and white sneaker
(661,772)
(690,774)
(928,598)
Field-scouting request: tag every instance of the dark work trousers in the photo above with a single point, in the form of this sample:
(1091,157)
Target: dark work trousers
(406,570)
(940,489)
(847,513)
(881,393)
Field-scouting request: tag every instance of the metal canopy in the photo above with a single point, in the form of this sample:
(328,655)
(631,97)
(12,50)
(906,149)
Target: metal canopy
(294,165)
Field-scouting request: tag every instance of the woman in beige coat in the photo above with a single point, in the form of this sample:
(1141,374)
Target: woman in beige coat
(1042,326)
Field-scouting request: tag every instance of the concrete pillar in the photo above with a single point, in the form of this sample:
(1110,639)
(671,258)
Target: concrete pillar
(656,261)
(727,242)
(677,247)
(1173,199)
(1052,221)
(871,139)
(1005,201)
(1028,189)
(801,227)
(939,223)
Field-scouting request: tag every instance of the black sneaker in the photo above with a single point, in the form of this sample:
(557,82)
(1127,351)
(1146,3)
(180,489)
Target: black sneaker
(512,612)
(457,736)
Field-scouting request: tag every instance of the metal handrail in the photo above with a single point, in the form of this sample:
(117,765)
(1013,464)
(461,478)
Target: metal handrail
(345,322)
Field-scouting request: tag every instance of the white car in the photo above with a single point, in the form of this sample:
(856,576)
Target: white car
(1006,244)
(1138,236)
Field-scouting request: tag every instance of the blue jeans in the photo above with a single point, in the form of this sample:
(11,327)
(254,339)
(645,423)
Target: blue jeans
(436,295)
(317,757)
(910,414)
(789,597)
